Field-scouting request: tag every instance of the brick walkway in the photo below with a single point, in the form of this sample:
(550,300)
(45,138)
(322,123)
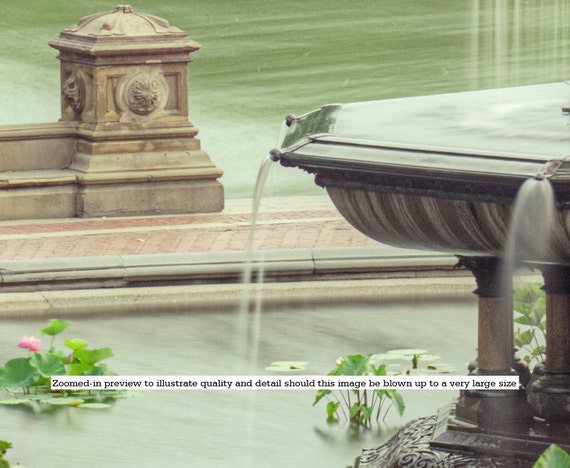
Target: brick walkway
(284,223)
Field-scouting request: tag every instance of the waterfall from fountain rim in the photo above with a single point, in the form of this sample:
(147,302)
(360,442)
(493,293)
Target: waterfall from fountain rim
(530,233)
(246,341)
(246,335)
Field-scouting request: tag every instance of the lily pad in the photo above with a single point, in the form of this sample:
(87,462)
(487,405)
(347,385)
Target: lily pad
(64,401)
(428,358)
(15,401)
(95,405)
(407,352)
(286,366)
(388,357)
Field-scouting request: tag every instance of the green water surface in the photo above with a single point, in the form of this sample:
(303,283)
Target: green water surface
(262,60)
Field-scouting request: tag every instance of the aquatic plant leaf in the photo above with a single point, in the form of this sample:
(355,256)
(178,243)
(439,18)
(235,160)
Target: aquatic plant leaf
(64,401)
(332,407)
(320,395)
(5,445)
(55,327)
(75,343)
(355,409)
(408,353)
(18,373)
(365,413)
(380,370)
(353,364)
(47,364)
(524,320)
(16,401)
(387,357)
(553,457)
(92,356)
(415,361)
(95,405)
(523,338)
(398,400)
(286,366)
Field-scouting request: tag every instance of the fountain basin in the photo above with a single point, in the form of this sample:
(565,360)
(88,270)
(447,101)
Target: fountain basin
(439,172)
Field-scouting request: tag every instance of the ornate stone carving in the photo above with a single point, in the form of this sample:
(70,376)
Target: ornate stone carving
(73,92)
(410,447)
(144,94)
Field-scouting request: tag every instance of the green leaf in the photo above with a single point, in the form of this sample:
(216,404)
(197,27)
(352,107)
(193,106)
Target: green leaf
(355,409)
(332,407)
(15,401)
(381,370)
(365,413)
(523,338)
(75,343)
(415,360)
(524,320)
(320,395)
(286,366)
(398,400)
(55,327)
(407,353)
(5,445)
(92,356)
(95,405)
(353,364)
(47,364)
(64,401)
(18,373)
(553,457)
(538,351)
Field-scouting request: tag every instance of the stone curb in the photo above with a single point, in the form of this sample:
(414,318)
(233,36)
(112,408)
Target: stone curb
(164,269)
(201,298)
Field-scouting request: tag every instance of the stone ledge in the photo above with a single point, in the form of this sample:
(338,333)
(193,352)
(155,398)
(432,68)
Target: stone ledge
(279,265)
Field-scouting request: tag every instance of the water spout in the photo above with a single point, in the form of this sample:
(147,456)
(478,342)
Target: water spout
(529,236)
(248,328)
(532,222)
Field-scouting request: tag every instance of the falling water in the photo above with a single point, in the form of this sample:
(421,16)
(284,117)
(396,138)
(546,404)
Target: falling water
(249,325)
(531,225)
(530,233)
(246,334)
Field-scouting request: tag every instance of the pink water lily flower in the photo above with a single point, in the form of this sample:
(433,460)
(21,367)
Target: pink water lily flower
(30,342)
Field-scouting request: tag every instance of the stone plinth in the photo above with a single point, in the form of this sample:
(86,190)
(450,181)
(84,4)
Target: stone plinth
(124,78)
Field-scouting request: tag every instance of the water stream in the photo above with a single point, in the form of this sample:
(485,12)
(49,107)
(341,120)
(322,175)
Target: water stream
(530,233)
(247,332)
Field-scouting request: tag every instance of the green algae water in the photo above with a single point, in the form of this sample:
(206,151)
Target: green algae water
(215,428)
(262,60)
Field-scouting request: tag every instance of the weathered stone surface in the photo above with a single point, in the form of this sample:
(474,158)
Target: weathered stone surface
(124,144)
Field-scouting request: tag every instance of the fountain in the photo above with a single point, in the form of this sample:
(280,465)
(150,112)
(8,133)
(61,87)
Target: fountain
(442,173)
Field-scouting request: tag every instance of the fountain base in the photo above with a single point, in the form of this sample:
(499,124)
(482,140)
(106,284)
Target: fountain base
(440,441)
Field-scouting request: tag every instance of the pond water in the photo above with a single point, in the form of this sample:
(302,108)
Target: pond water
(262,60)
(280,429)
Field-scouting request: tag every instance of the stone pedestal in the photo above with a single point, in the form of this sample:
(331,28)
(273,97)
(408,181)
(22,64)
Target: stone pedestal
(549,391)
(124,82)
(494,410)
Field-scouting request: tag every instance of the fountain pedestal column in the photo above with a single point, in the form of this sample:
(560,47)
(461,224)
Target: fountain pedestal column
(549,391)
(493,409)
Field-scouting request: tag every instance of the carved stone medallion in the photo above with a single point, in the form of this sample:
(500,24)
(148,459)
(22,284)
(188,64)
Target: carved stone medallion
(145,93)
(73,92)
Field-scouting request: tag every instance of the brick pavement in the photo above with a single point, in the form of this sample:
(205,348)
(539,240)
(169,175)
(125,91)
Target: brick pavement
(284,223)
